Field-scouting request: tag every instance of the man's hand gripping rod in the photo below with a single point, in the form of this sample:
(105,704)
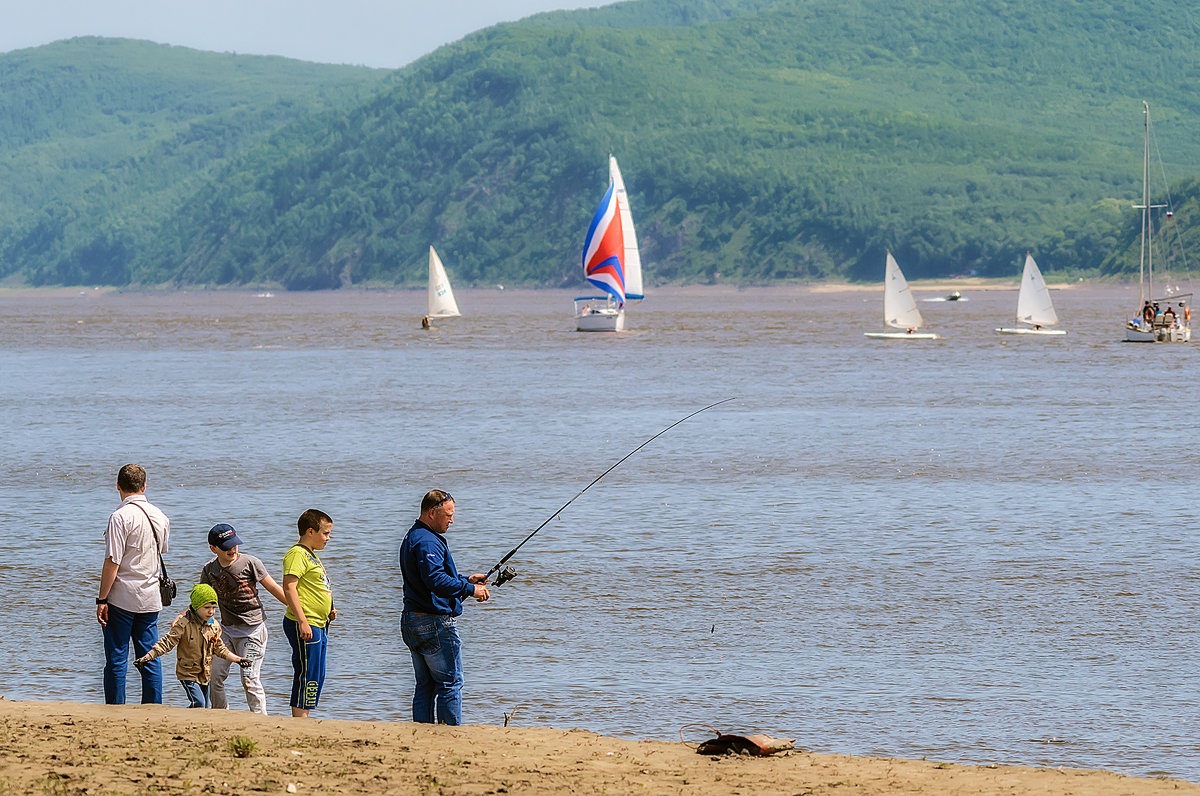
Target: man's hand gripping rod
(508,573)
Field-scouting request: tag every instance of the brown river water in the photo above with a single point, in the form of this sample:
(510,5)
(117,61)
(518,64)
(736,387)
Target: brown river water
(977,549)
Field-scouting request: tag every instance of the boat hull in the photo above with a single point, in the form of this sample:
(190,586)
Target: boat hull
(601,321)
(902,335)
(1025,330)
(1158,334)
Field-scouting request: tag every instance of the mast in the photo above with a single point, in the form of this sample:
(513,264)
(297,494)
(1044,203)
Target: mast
(1147,221)
(1146,263)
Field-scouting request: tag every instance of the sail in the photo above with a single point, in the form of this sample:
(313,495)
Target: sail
(604,248)
(899,306)
(1033,302)
(441,297)
(633,259)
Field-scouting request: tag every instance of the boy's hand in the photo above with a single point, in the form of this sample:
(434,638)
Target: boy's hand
(140,663)
(245,663)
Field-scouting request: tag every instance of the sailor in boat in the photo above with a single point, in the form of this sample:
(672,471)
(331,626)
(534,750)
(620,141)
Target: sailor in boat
(910,330)
(955,296)
(425,322)
(1169,316)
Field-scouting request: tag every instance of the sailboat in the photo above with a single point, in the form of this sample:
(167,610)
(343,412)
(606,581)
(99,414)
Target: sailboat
(611,260)
(1155,322)
(441,297)
(1033,304)
(900,308)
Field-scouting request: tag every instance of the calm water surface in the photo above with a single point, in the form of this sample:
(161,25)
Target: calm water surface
(977,549)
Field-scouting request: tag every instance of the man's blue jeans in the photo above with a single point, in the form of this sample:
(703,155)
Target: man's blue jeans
(143,630)
(437,662)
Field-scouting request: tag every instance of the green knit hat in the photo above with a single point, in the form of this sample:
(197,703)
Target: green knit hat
(202,594)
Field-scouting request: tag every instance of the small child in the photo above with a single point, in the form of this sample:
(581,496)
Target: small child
(236,577)
(198,636)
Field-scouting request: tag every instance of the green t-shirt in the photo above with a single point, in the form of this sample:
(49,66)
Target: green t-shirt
(316,598)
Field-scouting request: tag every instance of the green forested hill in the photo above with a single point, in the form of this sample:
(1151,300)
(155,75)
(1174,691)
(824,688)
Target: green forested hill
(760,140)
(101,138)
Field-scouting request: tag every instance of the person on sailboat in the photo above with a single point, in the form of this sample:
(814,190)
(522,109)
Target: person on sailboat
(425,322)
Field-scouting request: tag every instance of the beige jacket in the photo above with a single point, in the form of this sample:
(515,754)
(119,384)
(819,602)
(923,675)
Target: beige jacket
(197,641)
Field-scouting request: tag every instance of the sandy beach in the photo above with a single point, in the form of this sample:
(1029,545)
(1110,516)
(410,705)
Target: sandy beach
(60,747)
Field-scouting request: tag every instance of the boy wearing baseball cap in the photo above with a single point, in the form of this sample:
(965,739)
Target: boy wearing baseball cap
(197,634)
(236,577)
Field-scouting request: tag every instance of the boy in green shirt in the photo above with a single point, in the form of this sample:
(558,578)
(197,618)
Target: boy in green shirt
(310,608)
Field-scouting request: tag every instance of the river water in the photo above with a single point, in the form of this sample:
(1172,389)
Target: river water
(978,549)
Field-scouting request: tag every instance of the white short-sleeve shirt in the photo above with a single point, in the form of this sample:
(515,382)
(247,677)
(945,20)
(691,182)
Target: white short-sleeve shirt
(129,542)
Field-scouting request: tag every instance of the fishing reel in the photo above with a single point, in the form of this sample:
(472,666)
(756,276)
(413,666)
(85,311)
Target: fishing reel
(504,576)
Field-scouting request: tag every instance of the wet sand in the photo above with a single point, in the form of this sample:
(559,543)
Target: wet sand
(60,747)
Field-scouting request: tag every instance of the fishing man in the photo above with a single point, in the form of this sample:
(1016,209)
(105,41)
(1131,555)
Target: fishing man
(433,594)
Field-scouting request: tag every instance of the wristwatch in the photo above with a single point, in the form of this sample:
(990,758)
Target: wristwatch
(101,601)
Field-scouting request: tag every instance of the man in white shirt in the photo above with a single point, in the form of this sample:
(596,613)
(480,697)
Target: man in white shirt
(128,603)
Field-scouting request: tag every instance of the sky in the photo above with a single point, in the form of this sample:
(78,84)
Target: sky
(381,33)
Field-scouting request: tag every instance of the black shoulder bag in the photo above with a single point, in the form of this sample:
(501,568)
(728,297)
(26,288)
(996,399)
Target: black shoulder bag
(166,586)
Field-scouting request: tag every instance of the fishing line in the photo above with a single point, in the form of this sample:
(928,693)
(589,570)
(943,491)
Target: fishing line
(508,573)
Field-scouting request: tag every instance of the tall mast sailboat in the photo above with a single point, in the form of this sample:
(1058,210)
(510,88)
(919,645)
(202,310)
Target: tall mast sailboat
(1034,306)
(1157,320)
(611,260)
(899,307)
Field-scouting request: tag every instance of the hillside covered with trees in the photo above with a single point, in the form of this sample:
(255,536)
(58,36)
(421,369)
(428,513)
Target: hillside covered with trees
(100,140)
(760,140)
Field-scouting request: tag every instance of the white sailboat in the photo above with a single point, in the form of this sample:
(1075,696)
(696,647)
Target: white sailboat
(611,261)
(900,308)
(1157,321)
(441,297)
(1034,306)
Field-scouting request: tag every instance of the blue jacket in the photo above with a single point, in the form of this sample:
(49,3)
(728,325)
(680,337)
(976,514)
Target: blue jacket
(432,585)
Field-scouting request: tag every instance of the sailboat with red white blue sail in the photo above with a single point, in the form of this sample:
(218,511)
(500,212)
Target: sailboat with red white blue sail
(611,261)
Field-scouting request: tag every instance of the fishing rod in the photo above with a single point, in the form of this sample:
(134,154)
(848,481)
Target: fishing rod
(508,573)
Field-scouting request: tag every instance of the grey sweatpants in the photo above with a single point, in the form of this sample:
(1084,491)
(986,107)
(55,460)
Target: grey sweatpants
(253,647)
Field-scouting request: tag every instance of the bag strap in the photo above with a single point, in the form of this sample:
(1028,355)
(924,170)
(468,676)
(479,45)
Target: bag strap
(157,546)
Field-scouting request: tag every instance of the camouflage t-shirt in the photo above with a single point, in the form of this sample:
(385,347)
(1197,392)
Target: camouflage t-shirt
(237,593)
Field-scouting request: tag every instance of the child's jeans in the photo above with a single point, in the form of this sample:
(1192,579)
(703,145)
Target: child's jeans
(197,694)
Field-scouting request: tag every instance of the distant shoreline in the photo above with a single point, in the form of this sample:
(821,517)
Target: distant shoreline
(962,285)
(71,747)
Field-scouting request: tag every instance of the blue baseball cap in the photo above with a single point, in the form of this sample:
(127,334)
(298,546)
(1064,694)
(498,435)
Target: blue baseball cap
(223,536)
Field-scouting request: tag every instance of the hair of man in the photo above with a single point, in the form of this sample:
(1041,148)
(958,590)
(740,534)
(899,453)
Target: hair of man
(434,498)
(311,520)
(131,479)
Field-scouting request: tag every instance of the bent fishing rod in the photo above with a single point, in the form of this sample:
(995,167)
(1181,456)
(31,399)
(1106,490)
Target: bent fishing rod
(508,573)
